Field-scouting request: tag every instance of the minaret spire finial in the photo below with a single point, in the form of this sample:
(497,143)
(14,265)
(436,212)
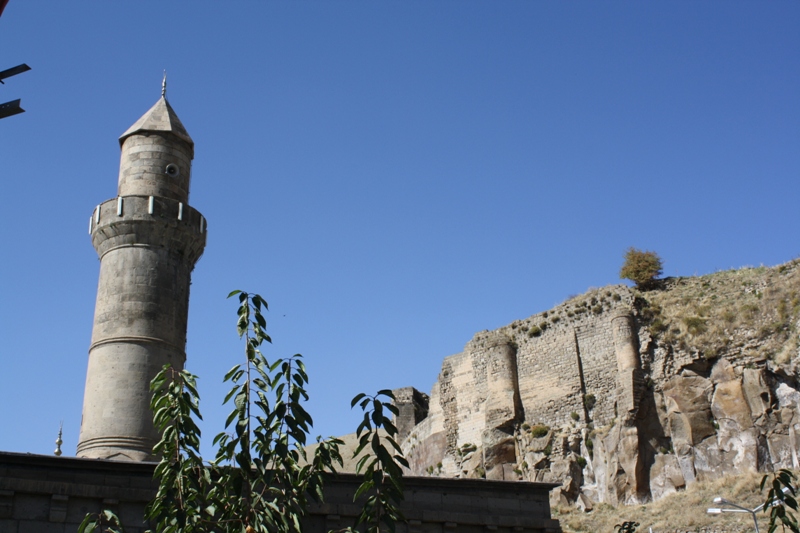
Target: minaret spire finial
(164,85)
(59,442)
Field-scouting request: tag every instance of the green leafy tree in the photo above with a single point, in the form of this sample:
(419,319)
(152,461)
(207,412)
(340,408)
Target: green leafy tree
(381,467)
(105,521)
(641,267)
(261,477)
(782,495)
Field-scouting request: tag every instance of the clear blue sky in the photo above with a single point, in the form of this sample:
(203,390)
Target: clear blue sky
(392,176)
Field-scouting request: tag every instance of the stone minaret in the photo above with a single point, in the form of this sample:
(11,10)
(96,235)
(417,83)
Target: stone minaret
(148,240)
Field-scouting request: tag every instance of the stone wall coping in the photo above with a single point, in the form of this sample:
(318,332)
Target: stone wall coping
(76,463)
(124,468)
(128,468)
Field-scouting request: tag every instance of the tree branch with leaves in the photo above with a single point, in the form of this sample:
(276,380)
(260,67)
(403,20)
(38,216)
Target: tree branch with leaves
(382,466)
(261,478)
(781,495)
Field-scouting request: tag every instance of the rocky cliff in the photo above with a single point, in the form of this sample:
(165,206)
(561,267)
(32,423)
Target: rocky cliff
(622,395)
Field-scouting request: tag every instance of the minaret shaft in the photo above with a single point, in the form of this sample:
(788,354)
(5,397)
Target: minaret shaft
(148,241)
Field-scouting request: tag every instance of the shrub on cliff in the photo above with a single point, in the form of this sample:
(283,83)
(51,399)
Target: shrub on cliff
(641,267)
(539,430)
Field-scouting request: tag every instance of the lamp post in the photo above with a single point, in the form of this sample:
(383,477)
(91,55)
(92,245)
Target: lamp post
(738,509)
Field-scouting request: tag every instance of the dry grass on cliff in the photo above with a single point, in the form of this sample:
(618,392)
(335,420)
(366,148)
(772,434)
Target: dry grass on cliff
(682,511)
(749,312)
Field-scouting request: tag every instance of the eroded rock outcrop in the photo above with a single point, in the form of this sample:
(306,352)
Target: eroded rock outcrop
(623,396)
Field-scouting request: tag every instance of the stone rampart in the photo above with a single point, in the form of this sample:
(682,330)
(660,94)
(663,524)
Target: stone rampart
(413,408)
(551,385)
(574,366)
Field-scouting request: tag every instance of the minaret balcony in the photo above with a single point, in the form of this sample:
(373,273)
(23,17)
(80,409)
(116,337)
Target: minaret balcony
(148,221)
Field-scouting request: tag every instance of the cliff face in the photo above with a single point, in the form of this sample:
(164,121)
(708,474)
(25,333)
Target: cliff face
(621,395)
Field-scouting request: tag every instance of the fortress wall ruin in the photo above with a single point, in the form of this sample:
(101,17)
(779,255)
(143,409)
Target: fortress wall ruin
(538,375)
(599,368)
(469,396)
(550,377)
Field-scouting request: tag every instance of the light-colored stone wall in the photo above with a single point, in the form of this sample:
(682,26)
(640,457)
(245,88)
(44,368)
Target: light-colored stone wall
(537,371)
(550,377)
(469,382)
(599,367)
(572,356)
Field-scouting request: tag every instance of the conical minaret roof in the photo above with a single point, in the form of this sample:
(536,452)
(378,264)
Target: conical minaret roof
(160,117)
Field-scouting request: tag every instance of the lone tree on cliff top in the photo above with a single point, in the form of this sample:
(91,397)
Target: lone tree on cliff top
(641,267)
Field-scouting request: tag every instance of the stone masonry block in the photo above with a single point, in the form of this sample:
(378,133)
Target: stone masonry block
(58,508)
(79,506)
(118,481)
(31,507)
(29,526)
(426,499)
(6,503)
(431,527)
(508,504)
(458,502)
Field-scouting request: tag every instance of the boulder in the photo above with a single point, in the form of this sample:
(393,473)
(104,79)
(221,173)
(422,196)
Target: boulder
(540,444)
(781,452)
(500,452)
(756,392)
(558,498)
(709,462)
(787,396)
(731,451)
(427,452)
(495,473)
(722,371)
(499,448)
(472,465)
(584,503)
(684,454)
(729,404)
(688,400)
(567,470)
(511,472)
(666,476)
(621,475)
(536,460)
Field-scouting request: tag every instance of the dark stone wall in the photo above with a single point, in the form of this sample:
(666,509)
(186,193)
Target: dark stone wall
(45,494)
